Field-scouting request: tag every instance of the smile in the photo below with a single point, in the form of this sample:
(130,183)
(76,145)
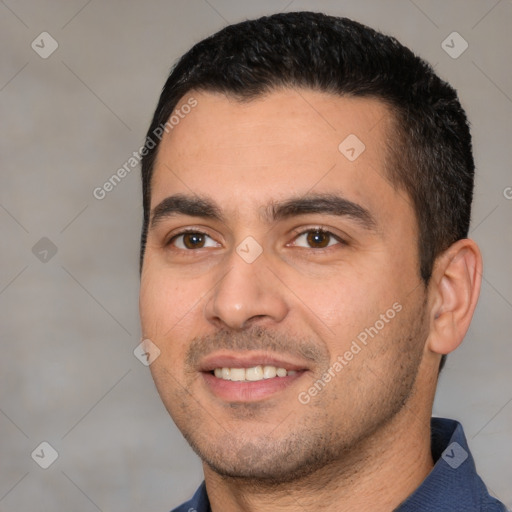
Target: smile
(249,376)
(252,374)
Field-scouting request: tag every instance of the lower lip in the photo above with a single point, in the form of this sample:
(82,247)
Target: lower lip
(236,391)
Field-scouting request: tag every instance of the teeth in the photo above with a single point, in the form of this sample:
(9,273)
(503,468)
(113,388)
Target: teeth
(281,372)
(237,374)
(269,372)
(251,374)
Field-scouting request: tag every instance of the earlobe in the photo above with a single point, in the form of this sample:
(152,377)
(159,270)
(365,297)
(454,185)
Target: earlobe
(455,286)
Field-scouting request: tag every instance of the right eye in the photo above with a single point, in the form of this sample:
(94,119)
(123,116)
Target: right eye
(190,240)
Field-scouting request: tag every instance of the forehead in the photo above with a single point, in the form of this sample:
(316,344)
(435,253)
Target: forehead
(288,142)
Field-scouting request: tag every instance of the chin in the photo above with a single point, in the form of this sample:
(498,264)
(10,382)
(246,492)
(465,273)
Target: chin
(266,463)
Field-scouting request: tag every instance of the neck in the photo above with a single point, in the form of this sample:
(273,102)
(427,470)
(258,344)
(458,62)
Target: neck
(378,474)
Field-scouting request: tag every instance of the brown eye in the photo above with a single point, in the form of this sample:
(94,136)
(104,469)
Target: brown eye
(191,240)
(318,239)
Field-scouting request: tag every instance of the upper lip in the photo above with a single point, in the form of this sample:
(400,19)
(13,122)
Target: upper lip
(248,360)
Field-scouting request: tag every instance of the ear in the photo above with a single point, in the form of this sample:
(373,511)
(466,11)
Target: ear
(454,289)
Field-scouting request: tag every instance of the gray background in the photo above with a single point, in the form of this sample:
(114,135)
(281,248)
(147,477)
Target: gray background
(69,323)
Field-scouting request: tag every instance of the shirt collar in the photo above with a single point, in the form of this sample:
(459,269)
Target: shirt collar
(453,483)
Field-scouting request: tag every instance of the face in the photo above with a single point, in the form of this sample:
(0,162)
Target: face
(281,281)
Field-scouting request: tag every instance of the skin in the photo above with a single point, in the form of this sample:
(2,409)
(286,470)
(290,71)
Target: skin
(363,441)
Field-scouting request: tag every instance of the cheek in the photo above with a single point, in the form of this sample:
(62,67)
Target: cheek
(349,314)
(166,302)
(347,303)
(168,311)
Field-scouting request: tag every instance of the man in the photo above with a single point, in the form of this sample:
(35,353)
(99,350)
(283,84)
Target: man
(307,185)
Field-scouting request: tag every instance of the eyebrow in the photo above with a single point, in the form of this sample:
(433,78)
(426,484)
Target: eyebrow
(180,204)
(203,207)
(330,204)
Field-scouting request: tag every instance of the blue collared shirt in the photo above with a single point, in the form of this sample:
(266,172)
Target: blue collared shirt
(452,486)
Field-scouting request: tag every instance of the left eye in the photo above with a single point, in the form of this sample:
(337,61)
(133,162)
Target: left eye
(193,240)
(316,239)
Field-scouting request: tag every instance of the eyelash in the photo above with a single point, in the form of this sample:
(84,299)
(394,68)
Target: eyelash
(323,231)
(296,235)
(184,232)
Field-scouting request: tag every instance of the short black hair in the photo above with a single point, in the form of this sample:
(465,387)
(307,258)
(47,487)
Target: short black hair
(430,157)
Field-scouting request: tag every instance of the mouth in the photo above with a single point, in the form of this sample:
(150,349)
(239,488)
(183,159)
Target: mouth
(249,377)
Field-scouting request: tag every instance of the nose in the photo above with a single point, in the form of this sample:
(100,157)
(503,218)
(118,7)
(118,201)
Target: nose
(245,294)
